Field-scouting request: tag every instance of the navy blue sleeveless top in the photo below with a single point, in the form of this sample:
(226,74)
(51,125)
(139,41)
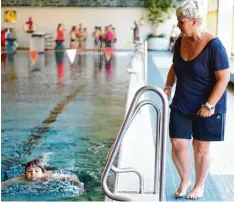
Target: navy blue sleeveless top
(196,78)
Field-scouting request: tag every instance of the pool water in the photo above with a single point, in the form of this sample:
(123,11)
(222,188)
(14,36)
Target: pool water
(67,115)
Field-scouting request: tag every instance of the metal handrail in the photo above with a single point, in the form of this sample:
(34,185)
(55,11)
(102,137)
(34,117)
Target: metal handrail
(131,170)
(123,170)
(123,129)
(138,51)
(157,143)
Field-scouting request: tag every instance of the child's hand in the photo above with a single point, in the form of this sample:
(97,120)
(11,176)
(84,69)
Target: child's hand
(76,181)
(3,184)
(80,185)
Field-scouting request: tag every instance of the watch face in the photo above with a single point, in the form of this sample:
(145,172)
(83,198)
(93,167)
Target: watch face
(210,107)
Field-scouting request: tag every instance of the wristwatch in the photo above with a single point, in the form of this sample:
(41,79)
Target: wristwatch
(210,107)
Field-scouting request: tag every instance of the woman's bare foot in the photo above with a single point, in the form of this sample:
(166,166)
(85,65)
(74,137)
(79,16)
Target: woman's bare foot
(182,190)
(196,193)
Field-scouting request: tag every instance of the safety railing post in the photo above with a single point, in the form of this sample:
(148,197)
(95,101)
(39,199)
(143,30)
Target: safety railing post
(131,113)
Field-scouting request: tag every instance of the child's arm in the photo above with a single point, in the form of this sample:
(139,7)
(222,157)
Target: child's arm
(71,177)
(12,181)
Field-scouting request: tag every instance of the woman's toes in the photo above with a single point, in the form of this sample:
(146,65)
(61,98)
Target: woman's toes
(196,193)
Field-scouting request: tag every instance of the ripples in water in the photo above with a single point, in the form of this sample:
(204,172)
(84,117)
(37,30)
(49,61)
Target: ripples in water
(42,190)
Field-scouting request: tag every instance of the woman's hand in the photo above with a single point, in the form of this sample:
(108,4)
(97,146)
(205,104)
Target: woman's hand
(205,112)
(167,91)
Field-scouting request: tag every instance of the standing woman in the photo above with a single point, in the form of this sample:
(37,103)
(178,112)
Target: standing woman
(198,110)
(73,43)
(60,37)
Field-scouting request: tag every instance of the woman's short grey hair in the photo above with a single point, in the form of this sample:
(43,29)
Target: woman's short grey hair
(190,9)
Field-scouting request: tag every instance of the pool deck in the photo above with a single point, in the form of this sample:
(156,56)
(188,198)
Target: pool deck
(220,181)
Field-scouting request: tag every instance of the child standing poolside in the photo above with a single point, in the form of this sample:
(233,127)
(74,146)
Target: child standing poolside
(35,172)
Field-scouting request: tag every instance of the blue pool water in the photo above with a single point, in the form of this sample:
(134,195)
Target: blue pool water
(67,115)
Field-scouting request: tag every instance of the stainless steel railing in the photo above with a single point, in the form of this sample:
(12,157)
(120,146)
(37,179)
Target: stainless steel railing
(160,146)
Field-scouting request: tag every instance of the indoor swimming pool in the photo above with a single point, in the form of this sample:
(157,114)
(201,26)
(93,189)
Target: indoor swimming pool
(67,115)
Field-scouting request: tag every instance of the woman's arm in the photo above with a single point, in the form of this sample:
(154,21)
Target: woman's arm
(222,78)
(12,181)
(171,77)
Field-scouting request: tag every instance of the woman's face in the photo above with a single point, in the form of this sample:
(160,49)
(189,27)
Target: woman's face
(185,25)
(34,173)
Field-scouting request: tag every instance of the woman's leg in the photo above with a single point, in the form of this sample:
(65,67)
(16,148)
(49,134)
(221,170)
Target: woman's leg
(202,165)
(180,156)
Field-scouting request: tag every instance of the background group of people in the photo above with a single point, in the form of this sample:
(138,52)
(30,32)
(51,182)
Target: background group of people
(104,39)
(79,36)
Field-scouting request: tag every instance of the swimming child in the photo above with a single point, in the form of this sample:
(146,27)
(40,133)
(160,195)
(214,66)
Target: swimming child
(35,171)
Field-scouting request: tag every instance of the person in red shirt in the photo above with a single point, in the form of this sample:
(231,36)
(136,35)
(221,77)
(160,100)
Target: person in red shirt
(60,32)
(3,38)
(30,25)
(109,36)
(60,36)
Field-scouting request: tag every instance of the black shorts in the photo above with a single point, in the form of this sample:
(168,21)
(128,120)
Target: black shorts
(200,128)
(108,44)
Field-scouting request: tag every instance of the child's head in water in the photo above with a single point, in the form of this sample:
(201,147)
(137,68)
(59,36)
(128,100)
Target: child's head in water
(34,170)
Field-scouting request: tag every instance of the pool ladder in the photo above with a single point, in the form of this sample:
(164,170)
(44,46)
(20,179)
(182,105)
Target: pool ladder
(160,145)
